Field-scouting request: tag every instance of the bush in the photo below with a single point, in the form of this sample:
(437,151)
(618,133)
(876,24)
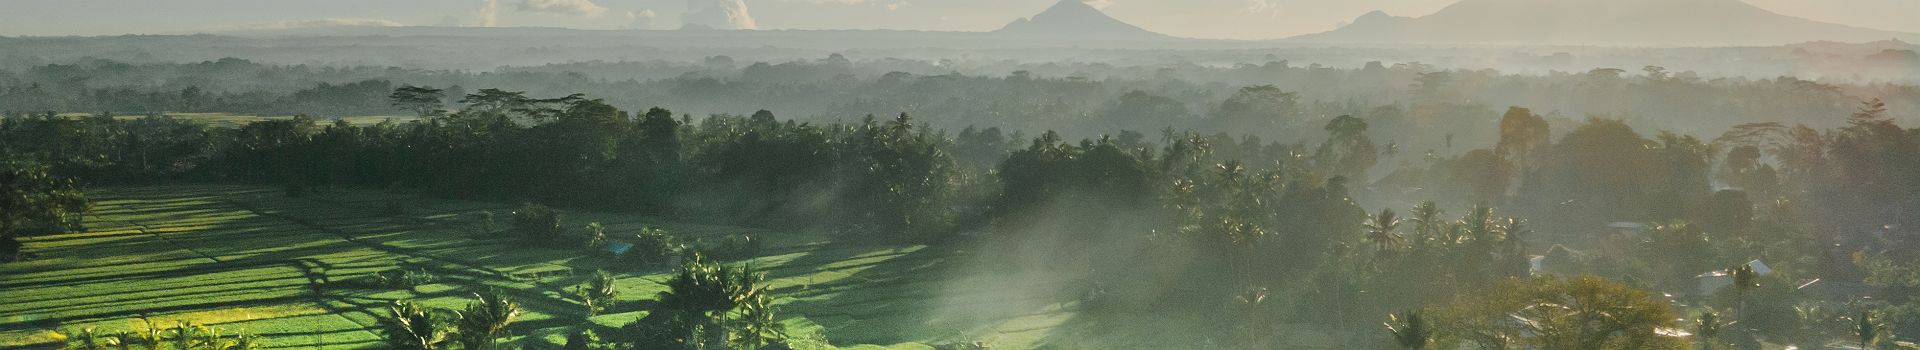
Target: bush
(9,248)
(652,247)
(596,235)
(395,279)
(731,247)
(538,223)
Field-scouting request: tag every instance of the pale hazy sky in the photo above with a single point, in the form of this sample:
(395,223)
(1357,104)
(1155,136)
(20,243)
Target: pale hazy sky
(1234,19)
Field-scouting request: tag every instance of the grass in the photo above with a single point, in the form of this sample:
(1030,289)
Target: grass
(248,258)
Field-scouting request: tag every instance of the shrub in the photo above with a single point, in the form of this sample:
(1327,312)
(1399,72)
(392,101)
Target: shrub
(484,223)
(538,223)
(652,247)
(395,279)
(731,247)
(596,235)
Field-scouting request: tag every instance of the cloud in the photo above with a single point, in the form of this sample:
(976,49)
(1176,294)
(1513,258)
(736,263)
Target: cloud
(317,23)
(642,19)
(489,13)
(1267,7)
(562,7)
(717,14)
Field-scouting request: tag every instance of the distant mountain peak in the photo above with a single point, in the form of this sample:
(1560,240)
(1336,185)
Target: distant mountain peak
(1076,19)
(1596,22)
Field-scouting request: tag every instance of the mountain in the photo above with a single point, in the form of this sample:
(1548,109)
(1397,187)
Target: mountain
(1075,19)
(1597,22)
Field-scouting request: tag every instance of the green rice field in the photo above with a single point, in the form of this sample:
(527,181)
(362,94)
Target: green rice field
(253,259)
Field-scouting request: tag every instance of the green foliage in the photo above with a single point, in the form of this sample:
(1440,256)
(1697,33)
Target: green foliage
(1868,329)
(584,339)
(400,278)
(598,294)
(1348,151)
(652,247)
(183,336)
(421,100)
(1579,313)
(1410,329)
(1381,230)
(486,319)
(410,326)
(538,224)
(596,235)
(1707,329)
(32,197)
(708,305)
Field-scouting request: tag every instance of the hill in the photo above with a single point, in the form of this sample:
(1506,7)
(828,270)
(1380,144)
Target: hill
(1597,22)
(1077,20)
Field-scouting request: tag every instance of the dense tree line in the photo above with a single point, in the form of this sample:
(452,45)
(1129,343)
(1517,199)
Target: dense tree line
(1269,99)
(1191,223)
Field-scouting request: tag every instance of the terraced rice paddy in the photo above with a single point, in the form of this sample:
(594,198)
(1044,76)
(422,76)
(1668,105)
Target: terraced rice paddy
(254,259)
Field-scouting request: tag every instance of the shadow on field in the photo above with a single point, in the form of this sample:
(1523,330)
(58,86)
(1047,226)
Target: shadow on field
(889,300)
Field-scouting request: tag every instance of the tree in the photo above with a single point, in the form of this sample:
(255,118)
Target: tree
(1348,151)
(708,304)
(1258,107)
(1744,280)
(1410,329)
(1867,328)
(1523,141)
(486,319)
(1380,230)
(1427,221)
(413,327)
(599,292)
(421,100)
(1707,328)
(1585,312)
(31,196)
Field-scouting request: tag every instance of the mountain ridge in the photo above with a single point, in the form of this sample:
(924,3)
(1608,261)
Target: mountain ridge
(1597,22)
(1076,19)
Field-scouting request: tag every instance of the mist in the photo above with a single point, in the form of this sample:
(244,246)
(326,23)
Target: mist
(1000,174)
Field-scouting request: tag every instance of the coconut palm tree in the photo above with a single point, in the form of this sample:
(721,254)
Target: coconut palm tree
(485,319)
(757,325)
(598,294)
(1427,221)
(414,327)
(1744,279)
(1410,329)
(1380,230)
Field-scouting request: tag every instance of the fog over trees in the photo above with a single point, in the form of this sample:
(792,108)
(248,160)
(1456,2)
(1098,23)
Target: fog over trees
(1103,187)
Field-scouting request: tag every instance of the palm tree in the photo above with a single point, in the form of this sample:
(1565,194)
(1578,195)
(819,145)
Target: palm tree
(757,324)
(1410,329)
(598,294)
(1708,329)
(485,319)
(1427,221)
(1744,279)
(1867,328)
(414,327)
(1380,230)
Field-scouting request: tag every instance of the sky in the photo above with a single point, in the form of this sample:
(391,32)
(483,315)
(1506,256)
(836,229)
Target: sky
(1220,19)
